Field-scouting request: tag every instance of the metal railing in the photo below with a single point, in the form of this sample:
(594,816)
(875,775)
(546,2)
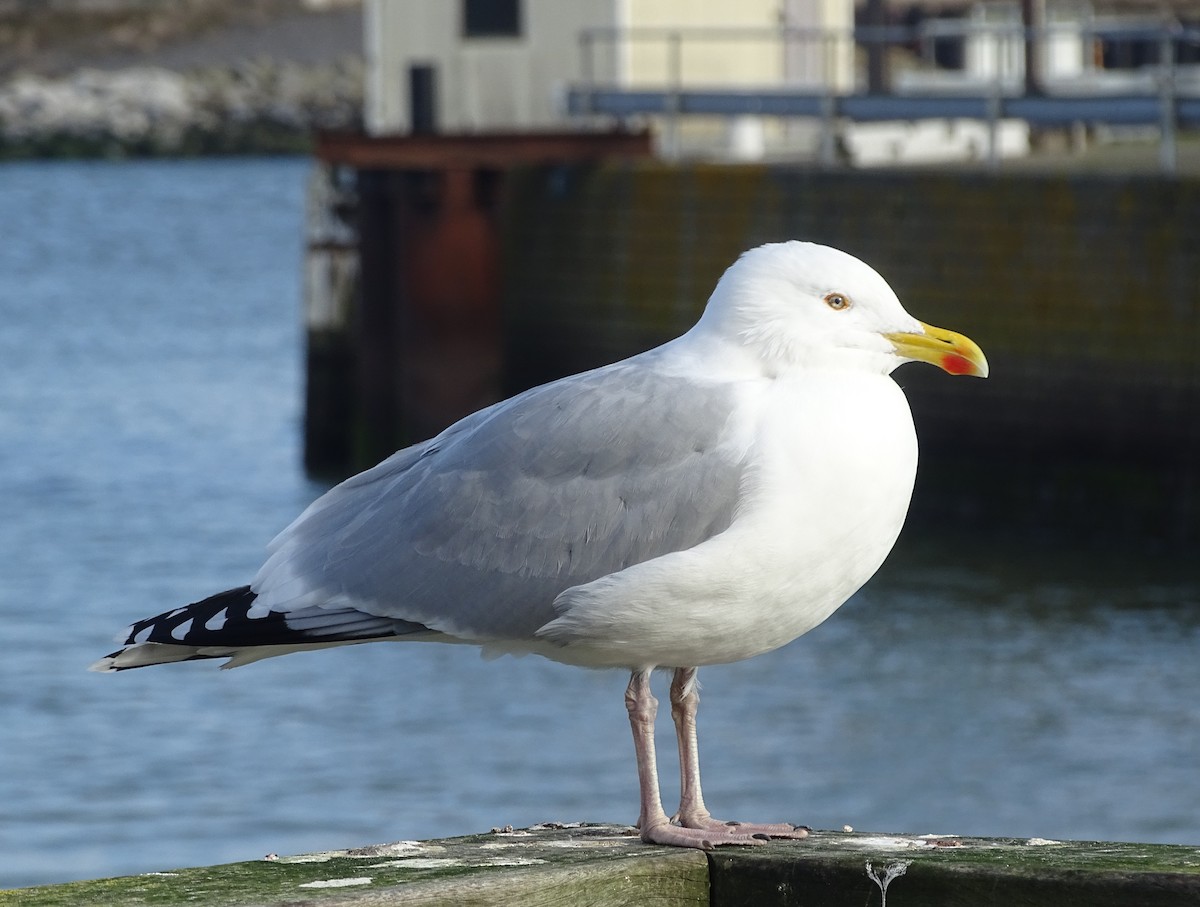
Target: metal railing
(1165,95)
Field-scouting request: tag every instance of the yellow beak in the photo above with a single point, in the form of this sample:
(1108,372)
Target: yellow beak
(952,352)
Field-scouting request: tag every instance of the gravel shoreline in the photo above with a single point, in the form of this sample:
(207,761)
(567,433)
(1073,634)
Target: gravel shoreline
(246,87)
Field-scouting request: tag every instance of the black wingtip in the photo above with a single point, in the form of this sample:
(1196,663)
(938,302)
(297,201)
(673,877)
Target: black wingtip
(221,626)
(215,620)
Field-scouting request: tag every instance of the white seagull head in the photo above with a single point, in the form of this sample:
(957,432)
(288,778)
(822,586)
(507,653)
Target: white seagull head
(802,304)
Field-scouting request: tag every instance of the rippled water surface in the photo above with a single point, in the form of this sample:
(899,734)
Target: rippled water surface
(149,448)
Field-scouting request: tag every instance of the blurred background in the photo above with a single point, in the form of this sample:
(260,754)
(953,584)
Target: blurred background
(254,247)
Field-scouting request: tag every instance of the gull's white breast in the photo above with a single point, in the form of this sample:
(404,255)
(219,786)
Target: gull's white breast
(831,462)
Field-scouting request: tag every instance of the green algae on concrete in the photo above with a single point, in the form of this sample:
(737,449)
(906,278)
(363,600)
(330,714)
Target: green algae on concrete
(602,865)
(597,865)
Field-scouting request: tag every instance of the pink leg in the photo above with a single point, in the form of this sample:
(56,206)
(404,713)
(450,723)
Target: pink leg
(655,827)
(692,812)
(643,708)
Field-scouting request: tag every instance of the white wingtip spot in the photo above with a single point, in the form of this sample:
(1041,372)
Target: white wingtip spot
(142,636)
(182,630)
(217,621)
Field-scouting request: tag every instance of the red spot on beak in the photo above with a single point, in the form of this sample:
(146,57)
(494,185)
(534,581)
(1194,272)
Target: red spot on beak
(957,365)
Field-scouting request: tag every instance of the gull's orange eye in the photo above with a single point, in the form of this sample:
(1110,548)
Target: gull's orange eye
(837,301)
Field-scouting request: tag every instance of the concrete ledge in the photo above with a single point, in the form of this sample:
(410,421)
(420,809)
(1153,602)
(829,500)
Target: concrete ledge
(603,865)
(834,869)
(595,865)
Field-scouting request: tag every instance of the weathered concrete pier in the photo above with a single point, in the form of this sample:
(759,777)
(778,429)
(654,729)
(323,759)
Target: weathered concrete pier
(607,866)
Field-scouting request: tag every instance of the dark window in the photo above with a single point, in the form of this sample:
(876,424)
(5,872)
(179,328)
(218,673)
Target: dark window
(422,99)
(492,18)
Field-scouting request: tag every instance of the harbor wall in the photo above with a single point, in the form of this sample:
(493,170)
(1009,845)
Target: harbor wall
(1084,292)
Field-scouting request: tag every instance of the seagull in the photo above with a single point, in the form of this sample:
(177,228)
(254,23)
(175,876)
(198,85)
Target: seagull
(706,501)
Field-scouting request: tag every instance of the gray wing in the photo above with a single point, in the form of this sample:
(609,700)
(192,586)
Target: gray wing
(475,532)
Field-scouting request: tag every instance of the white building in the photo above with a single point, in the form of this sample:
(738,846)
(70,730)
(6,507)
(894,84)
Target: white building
(506,64)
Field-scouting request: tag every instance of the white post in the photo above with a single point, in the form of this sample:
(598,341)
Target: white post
(587,64)
(827,155)
(675,81)
(1167,154)
(995,103)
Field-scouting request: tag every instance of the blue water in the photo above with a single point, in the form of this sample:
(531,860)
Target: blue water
(150,386)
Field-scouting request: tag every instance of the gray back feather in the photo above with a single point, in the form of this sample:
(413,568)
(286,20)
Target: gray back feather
(475,532)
